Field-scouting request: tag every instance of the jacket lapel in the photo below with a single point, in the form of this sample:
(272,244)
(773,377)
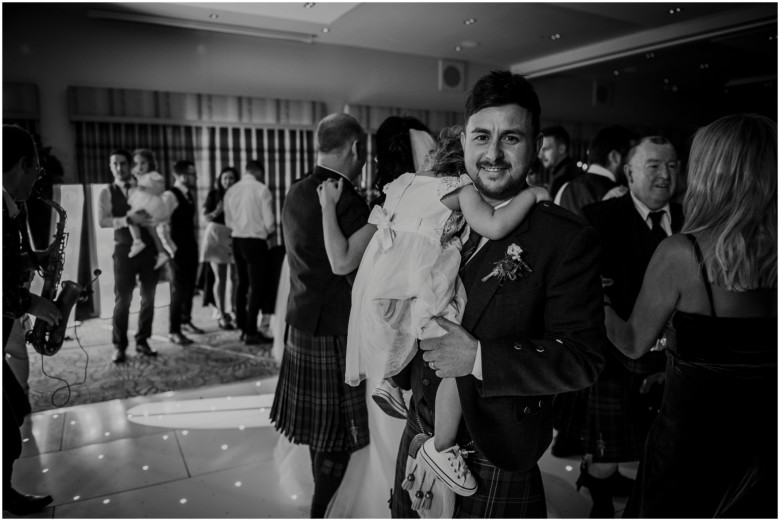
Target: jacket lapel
(481,293)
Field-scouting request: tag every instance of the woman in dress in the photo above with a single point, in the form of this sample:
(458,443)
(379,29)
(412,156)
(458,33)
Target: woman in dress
(217,249)
(712,450)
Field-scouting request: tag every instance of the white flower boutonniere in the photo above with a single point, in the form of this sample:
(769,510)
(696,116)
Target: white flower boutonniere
(511,266)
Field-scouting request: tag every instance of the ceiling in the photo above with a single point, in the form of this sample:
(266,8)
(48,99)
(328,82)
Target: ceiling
(676,46)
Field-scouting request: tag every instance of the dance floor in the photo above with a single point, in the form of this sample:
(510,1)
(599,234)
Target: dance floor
(204,453)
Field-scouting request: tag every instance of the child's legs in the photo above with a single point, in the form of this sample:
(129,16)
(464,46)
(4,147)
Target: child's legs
(448,414)
(155,238)
(135,232)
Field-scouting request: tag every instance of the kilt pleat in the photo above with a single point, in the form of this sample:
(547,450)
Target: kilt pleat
(312,405)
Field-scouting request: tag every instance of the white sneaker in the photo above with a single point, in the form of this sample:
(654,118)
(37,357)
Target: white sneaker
(162,258)
(448,465)
(390,400)
(136,248)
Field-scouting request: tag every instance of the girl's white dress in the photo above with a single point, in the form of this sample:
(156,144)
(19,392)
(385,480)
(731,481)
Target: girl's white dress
(147,195)
(408,276)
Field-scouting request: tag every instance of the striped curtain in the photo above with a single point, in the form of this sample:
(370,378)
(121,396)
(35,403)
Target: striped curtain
(286,153)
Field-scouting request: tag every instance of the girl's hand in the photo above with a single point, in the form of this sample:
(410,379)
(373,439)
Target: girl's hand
(540,193)
(329,192)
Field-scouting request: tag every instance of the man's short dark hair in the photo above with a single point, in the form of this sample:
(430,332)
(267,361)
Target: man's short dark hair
(254,166)
(122,152)
(17,143)
(180,167)
(606,140)
(335,131)
(655,140)
(559,134)
(504,88)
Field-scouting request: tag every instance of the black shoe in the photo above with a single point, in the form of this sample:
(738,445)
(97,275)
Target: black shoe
(119,355)
(23,504)
(143,348)
(192,328)
(178,338)
(565,447)
(253,339)
(226,324)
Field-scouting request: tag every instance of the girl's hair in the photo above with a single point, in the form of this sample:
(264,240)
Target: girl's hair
(218,181)
(448,157)
(148,155)
(732,200)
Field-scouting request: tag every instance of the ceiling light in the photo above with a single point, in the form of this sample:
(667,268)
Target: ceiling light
(555,36)
(666,80)
(675,10)
(458,48)
(309,5)
(650,55)
(469,21)
(213,16)
(616,72)
(704,65)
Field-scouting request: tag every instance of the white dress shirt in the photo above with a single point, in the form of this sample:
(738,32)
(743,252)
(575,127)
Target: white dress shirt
(644,212)
(105,217)
(249,209)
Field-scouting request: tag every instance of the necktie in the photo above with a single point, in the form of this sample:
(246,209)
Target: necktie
(469,248)
(127,189)
(657,230)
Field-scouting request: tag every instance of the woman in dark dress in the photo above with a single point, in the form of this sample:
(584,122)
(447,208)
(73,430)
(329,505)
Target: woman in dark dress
(712,450)
(217,246)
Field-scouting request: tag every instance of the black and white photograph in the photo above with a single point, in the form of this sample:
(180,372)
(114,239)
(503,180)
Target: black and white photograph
(382,260)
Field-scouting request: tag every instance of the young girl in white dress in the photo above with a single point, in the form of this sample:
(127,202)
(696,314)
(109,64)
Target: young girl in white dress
(147,196)
(408,276)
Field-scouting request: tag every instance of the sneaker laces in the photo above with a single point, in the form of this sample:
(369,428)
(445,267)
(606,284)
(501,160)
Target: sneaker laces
(457,463)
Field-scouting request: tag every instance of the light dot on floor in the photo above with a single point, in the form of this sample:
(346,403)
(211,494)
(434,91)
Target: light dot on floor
(183,500)
(238,483)
(100,457)
(224,447)
(165,437)
(568,468)
(145,467)
(45,471)
(106,501)
(76,498)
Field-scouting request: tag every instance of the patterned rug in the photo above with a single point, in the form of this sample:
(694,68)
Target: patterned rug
(80,374)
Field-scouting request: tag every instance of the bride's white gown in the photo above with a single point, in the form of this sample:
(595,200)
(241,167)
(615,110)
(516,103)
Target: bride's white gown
(365,490)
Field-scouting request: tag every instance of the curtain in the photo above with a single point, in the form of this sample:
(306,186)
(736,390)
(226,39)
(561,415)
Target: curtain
(286,153)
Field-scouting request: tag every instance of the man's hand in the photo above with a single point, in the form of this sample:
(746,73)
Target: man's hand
(140,217)
(329,192)
(452,354)
(44,309)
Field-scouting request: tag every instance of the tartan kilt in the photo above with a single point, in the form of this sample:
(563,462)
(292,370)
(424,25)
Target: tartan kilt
(500,494)
(312,404)
(618,417)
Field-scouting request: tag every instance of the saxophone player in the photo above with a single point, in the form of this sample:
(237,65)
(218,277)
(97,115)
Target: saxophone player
(21,169)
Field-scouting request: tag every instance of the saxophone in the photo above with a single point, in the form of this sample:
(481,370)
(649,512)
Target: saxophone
(47,339)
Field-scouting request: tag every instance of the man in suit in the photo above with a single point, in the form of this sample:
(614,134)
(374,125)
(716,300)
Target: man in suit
(554,156)
(618,416)
(312,405)
(21,168)
(113,212)
(180,200)
(522,340)
(606,157)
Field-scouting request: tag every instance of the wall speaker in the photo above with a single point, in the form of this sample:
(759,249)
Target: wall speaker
(602,94)
(452,75)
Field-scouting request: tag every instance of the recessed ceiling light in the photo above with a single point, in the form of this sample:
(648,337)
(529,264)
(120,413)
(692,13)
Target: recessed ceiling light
(675,10)
(458,48)
(666,80)
(469,44)
(469,21)
(704,65)
(650,55)
(616,72)
(325,30)
(309,5)
(555,36)
(213,16)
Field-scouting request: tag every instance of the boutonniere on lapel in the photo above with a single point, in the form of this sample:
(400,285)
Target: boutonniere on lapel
(511,266)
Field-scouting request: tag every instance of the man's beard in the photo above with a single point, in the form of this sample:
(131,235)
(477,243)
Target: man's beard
(510,189)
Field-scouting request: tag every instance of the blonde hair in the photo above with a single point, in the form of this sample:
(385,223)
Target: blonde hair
(732,200)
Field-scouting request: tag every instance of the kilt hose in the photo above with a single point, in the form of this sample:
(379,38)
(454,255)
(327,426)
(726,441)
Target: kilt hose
(500,494)
(312,404)
(618,417)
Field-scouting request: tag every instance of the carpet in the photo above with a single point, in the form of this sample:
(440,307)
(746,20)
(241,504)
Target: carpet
(82,371)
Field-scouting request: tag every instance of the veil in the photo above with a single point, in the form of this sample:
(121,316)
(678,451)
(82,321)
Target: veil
(423,147)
